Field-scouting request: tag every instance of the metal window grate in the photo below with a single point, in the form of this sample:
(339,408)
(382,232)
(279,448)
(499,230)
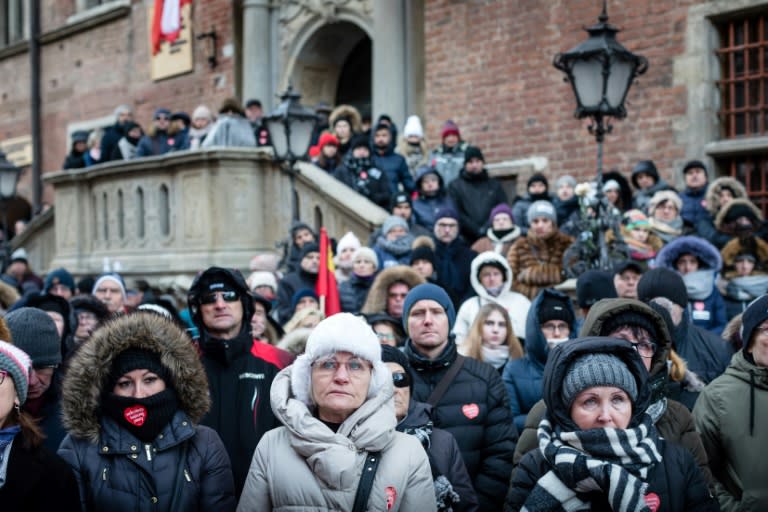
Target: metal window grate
(744,84)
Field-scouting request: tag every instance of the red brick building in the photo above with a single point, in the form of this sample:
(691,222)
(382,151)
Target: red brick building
(486,64)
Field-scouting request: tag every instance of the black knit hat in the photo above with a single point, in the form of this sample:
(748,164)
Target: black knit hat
(694,164)
(662,282)
(554,308)
(741,210)
(538,177)
(391,354)
(631,318)
(755,314)
(423,253)
(137,359)
(593,285)
(473,152)
(359,141)
(308,248)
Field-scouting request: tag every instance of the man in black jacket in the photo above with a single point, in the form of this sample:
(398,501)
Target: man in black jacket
(240,371)
(474,407)
(475,194)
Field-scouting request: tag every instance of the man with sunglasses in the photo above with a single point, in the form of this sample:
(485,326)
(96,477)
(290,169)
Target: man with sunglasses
(453,486)
(240,371)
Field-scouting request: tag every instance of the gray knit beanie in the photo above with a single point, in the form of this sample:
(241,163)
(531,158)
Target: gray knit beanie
(391,222)
(542,209)
(592,370)
(35,333)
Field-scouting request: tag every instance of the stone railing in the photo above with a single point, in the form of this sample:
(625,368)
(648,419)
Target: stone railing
(182,212)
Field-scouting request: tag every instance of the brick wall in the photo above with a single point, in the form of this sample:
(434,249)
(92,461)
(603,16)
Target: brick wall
(489,67)
(86,75)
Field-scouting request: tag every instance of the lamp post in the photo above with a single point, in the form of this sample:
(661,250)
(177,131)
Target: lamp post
(290,127)
(9,177)
(600,71)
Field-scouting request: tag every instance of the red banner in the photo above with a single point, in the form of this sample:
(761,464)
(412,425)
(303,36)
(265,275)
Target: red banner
(326,287)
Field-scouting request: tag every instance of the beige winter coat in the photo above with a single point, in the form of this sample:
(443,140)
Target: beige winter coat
(304,466)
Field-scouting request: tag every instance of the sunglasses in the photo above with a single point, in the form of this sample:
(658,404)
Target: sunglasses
(401,380)
(226,296)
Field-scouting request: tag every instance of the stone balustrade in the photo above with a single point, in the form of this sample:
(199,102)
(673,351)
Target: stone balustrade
(182,212)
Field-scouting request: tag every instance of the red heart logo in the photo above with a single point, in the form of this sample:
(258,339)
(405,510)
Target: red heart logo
(653,501)
(391,493)
(135,415)
(470,410)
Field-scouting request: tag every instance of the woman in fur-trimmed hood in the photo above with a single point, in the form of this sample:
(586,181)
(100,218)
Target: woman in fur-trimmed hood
(719,193)
(350,121)
(132,397)
(376,302)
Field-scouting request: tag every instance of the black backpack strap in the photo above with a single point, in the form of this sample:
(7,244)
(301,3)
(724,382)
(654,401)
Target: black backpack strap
(442,386)
(366,481)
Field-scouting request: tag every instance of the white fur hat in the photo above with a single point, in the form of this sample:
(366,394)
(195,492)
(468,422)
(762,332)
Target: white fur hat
(348,240)
(261,278)
(413,127)
(342,332)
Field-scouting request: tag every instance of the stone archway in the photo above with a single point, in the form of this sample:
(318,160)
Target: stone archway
(332,53)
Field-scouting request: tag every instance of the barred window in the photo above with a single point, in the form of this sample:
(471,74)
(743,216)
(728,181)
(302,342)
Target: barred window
(743,57)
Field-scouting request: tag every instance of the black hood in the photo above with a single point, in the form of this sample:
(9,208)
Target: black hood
(562,356)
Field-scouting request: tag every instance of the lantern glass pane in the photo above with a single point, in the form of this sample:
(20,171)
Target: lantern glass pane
(618,81)
(276,130)
(588,81)
(301,136)
(8,176)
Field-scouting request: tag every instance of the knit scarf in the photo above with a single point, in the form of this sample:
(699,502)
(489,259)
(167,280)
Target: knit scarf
(397,247)
(495,356)
(614,462)
(699,284)
(667,231)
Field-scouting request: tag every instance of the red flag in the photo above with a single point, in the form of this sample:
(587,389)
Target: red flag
(326,287)
(166,22)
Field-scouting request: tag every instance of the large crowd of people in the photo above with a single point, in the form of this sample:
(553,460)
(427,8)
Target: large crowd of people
(461,373)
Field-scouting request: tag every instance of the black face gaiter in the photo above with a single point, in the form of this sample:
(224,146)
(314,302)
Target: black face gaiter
(143,417)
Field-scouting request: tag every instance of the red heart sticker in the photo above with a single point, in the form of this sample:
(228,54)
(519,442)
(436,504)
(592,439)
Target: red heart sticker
(136,415)
(470,410)
(699,306)
(391,493)
(653,501)
(364,175)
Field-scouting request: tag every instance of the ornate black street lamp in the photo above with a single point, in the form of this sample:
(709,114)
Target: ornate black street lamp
(290,127)
(600,71)
(9,178)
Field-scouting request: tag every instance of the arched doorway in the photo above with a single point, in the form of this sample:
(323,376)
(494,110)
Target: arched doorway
(334,65)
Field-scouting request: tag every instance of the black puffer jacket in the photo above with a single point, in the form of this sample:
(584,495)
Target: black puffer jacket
(476,411)
(444,453)
(676,480)
(186,465)
(475,195)
(353,292)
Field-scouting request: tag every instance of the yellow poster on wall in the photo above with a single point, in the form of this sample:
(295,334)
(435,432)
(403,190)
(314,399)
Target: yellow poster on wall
(170,44)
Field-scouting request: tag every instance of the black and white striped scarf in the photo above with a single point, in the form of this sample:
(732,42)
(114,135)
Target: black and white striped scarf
(612,461)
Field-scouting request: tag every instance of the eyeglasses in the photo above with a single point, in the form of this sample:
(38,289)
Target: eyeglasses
(551,327)
(385,336)
(401,379)
(645,348)
(355,367)
(226,296)
(3,375)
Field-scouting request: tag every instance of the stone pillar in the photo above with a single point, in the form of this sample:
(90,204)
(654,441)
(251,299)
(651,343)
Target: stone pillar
(257,51)
(389,70)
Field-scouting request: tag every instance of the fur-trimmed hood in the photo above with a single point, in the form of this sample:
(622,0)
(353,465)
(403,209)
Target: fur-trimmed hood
(90,367)
(712,199)
(707,253)
(723,213)
(377,296)
(606,309)
(483,259)
(349,112)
